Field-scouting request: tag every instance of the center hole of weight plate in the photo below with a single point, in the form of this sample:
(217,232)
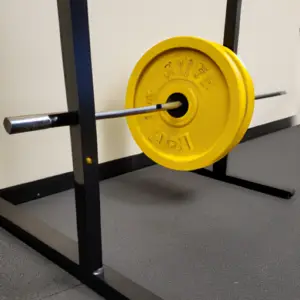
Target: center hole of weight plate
(180,111)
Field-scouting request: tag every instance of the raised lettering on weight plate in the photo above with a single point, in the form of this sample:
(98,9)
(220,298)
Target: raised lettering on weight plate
(201,69)
(156,137)
(185,65)
(188,68)
(169,72)
(149,97)
(180,65)
(173,144)
(206,83)
(179,68)
(178,143)
(185,142)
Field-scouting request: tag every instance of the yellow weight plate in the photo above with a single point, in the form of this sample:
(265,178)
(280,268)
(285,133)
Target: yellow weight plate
(211,89)
(250,94)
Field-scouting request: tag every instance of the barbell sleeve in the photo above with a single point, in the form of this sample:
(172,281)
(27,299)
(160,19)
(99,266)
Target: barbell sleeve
(28,123)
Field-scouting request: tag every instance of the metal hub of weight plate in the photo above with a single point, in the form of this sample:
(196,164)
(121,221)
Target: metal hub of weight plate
(211,89)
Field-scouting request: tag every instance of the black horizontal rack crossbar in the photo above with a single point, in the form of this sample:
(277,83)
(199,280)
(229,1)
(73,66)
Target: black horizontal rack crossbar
(83,259)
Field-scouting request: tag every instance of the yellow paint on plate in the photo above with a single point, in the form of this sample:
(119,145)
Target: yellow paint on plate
(211,87)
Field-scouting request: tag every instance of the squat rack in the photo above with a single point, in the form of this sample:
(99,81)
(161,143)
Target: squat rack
(83,259)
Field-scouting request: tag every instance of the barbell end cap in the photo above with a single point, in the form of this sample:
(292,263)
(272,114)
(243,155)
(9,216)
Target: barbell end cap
(7,125)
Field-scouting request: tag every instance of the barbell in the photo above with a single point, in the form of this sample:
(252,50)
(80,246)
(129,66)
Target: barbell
(189,102)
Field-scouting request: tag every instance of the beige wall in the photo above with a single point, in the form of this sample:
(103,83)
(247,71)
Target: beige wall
(32,77)
(32,81)
(268,39)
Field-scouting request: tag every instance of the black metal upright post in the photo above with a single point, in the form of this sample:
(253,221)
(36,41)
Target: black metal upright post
(230,40)
(76,54)
(232,24)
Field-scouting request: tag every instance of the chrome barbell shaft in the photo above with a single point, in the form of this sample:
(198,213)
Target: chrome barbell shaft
(136,111)
(28,123)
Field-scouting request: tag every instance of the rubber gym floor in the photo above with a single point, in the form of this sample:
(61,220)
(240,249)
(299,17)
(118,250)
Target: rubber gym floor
(181,235)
